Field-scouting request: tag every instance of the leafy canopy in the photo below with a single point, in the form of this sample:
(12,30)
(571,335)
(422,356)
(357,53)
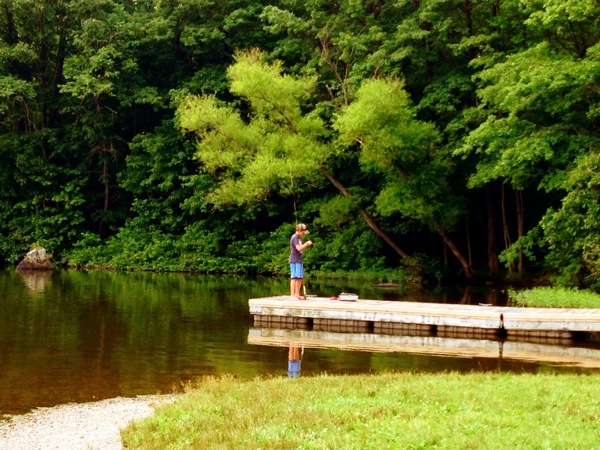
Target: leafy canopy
(267,149)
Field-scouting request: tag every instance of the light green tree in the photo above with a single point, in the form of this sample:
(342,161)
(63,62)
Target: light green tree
(277,143)
(382,123)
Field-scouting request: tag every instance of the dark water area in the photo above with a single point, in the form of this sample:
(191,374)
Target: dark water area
(74,336)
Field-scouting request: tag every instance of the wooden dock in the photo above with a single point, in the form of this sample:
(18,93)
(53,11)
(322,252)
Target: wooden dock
(448,347)
(426,319)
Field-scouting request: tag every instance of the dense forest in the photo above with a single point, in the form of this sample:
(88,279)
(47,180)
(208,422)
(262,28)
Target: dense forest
(446,139)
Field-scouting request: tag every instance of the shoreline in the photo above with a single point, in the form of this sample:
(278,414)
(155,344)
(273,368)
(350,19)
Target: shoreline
(78,426)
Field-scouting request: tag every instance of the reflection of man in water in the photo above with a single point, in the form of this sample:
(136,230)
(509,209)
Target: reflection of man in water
(294,361)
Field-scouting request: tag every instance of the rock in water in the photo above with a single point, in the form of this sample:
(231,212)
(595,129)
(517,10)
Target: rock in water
(36,259)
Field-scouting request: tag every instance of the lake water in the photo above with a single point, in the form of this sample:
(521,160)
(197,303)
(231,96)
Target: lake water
(74,336)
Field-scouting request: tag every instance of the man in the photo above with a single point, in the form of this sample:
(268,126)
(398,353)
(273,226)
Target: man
(296,265)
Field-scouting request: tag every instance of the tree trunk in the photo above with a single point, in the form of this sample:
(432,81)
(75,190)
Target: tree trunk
(106,187)
(520,227)
(371,223)
(492,252)
(467,295)
(496,8)
(106,201)
(445,253)
(468,237)
(368,219)
(454,249)
(53,108)
(505,233)
(468,8)
(469,16)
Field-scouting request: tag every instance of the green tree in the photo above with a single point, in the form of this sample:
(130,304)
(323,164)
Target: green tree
(173,45)
(429,44)
(540,107)
(278,143)
(382,123)
(102,81)
(571,232)
(40,196)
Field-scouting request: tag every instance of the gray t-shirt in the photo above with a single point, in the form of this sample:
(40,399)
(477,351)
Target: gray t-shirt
(295,255)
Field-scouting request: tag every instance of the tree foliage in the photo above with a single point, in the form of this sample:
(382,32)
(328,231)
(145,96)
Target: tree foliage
(402,131)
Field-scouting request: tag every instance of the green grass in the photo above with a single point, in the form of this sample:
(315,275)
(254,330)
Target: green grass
(546,297)
(404,411)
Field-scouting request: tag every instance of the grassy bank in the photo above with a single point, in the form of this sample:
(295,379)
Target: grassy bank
(552,297)
(474,411)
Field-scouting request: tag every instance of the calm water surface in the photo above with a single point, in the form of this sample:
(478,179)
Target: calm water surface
(75,336)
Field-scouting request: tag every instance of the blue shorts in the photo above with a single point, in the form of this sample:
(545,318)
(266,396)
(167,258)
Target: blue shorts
(294,368)
(297,270)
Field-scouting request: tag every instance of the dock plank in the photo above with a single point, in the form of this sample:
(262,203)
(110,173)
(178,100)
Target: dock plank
(438,314)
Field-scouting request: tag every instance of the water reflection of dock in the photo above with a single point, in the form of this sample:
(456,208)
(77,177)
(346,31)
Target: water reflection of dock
(428,345)
(548,325)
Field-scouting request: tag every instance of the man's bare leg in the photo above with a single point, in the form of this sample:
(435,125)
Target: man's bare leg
(295,285)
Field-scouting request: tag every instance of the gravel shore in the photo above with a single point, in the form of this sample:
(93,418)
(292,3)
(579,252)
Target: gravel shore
(77,426)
